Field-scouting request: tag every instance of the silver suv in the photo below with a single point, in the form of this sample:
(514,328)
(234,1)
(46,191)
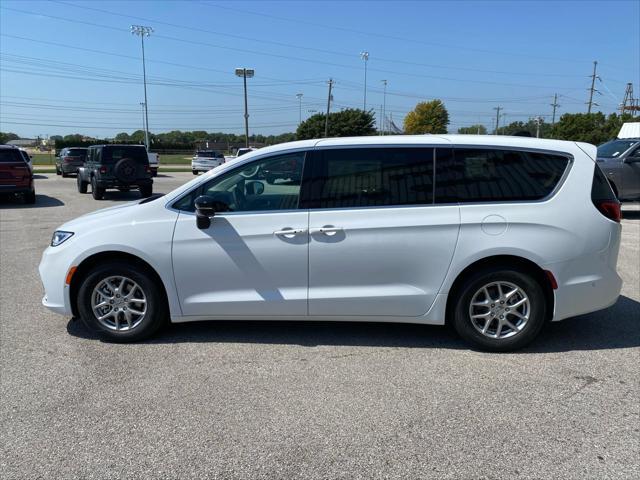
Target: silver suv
(620,161)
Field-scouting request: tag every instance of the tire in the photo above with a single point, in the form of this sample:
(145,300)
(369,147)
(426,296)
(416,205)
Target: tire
(58,172)
(96,191)
(125,170)
(195,172)
(146,192)
(82,185)
(534,308)
(29,198)
(115,326)
(64,175)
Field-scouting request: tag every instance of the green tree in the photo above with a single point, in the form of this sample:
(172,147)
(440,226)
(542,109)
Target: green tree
(427,117)
(351,122)
(530,127)
(582,127)
(473,130)
(7,136)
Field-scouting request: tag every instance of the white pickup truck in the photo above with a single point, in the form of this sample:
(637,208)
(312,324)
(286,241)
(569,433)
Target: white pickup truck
(154,162)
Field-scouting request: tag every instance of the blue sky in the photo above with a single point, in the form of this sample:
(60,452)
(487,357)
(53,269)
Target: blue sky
(73,66)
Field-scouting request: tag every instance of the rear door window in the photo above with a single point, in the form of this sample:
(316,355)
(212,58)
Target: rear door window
(496,175)
(369,177)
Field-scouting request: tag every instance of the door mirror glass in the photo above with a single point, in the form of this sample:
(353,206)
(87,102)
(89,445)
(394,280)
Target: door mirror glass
(254,188)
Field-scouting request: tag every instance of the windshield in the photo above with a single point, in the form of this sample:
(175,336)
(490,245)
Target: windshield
(77,152)
(209,154)
(10,156)
(615,148)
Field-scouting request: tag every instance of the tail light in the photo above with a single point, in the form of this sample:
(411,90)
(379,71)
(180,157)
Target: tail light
(610,209)
(603,197)
(103,169)
(67,159)
(147,168)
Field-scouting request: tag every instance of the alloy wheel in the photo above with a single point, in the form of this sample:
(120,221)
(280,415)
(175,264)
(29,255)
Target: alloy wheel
(119,303)
(499,310)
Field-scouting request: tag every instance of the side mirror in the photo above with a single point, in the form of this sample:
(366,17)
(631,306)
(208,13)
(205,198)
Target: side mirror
(206,208)
(254,188)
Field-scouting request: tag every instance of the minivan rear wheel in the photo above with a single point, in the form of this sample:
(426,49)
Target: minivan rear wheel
(122,302)
(499,309)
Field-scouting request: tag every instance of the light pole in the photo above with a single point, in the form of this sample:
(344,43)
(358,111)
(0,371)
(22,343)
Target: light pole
(245,73)
(365,56)
(299,97)
(144,122)
(144,31)
(384,107)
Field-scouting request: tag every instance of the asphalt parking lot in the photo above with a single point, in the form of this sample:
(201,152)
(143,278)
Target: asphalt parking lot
(305,400)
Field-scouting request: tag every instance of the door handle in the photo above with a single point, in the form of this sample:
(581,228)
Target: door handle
(289,232)
(327,230)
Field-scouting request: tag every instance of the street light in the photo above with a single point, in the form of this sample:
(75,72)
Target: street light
(299,97)
(365,56)
(144,122)
(384,107)
(144,31)
(245,73)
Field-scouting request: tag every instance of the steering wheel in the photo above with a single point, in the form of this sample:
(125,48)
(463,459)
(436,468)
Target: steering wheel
(250,172)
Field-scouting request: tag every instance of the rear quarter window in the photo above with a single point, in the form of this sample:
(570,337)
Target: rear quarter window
(496,175)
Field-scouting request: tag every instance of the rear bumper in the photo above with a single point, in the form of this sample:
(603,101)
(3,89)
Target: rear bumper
(114,183)
(16,188)
(205,166)
(69,167)
(587,283)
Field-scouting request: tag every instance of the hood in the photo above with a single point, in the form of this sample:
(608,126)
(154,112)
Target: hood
(99,215)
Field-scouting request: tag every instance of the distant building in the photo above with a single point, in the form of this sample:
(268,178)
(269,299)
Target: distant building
(23,142)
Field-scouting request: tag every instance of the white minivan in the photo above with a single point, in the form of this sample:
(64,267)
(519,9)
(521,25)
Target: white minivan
(496,235)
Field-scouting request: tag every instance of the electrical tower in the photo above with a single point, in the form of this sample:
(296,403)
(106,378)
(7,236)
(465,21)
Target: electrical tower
(497,109)
(629,103)
(555,105)
(593,89)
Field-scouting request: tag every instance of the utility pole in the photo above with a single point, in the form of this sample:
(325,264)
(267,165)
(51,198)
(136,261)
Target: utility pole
(554,105)
(593,87)
(365,57)
(380,121)
(144,31)
(537,121)
(245,73)
(497,109)
(299,97)
(326,119)
(384,107)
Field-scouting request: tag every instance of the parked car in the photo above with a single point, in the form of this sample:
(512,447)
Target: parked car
(123,167)
(496,235)
(16,177)
(69,160)
(239,152)
(205,160)
(27,158)
(154,162)
(620,161)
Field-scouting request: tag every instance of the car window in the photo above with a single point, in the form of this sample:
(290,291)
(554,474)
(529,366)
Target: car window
(76,152)
(271,183)
(10,156)
(615,148)
(367,177)
(114,154)
(487,175)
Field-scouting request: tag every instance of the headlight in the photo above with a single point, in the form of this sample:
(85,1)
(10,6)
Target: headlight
(60,237)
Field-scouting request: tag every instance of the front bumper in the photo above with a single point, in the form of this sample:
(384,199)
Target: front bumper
(53,268)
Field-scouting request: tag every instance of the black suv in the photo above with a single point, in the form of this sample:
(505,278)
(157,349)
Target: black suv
(124,167)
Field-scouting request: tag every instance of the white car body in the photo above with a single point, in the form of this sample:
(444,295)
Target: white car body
(388,263)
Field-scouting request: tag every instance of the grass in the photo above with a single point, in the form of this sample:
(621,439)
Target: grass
(178,159)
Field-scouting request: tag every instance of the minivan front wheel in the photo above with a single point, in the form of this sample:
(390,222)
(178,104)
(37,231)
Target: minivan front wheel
(500,309)
(122,302)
